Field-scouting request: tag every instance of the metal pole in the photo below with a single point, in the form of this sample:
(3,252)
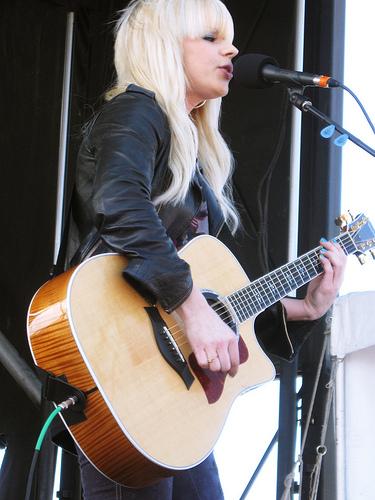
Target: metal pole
(20,370)
(295,153)
(64,124)
(287,422)
(260,465)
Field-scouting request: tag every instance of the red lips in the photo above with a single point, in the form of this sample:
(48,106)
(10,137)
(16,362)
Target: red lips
(228,69)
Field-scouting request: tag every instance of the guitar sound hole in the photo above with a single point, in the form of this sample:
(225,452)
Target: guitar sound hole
(221,308)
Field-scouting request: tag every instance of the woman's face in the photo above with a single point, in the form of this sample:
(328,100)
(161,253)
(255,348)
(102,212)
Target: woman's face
(208,67)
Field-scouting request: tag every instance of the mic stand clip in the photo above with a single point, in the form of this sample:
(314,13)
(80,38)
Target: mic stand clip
(303,103)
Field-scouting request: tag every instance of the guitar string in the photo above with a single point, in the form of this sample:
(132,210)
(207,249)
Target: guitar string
(225,315)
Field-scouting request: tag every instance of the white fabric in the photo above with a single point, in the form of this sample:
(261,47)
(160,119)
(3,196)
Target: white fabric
(353,339)
(358,425)
(353,323)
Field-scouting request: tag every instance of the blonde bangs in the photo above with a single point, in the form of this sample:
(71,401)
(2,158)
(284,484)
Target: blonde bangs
(199,17)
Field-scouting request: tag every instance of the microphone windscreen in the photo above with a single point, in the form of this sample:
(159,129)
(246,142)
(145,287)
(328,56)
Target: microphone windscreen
(247,70)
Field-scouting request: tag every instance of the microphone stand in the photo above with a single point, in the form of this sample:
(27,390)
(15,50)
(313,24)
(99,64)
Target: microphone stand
(303,103)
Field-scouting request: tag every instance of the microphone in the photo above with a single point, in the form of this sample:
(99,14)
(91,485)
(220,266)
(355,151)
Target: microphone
(257,71)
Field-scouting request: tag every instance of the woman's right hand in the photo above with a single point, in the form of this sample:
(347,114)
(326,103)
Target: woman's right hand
(213,343)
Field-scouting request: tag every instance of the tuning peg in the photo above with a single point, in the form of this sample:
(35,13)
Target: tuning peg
(351,215)
(362,258)
(342,221)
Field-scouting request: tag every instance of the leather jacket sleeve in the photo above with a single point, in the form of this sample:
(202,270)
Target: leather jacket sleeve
(280,337)
(125,143)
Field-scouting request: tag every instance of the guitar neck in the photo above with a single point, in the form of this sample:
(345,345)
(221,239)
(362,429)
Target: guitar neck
(268,289)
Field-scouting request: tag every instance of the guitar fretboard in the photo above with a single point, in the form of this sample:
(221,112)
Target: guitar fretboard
(268,289)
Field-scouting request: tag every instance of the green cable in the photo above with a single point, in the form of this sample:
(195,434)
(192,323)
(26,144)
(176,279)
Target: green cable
(37,449)
(45,427)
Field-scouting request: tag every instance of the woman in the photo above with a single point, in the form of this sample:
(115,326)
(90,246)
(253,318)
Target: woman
(153,171)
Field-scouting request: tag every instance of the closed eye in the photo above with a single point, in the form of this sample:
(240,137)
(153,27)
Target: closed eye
(209,38)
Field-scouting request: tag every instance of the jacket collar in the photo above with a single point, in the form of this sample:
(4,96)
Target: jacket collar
(140,90)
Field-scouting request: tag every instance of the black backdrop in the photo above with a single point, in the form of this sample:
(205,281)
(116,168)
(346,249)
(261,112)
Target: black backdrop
(255,123)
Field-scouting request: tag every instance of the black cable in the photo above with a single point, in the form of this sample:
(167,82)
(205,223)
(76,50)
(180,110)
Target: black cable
(359,104)
(31,474)
(264,189)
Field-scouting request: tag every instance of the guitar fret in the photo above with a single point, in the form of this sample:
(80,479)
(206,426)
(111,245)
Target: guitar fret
(302,272)
(263,284)
(250,308)
(299,276)
(266,301)
(256,294)
(243,299)
(237,306)
(241,303)
(284,282)
(296,277)
(251,304)
(309,265)
(349,247)
(275,293)
(315,266)
(266,286)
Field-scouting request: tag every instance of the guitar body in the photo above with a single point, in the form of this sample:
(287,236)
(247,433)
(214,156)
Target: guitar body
(143,423)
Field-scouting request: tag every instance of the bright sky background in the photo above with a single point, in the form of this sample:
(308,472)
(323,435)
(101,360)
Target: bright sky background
(253,420)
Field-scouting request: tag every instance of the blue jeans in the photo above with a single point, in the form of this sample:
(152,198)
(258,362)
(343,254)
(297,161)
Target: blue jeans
(199,483)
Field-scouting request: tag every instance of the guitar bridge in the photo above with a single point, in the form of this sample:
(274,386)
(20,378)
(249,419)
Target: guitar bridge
(168,347)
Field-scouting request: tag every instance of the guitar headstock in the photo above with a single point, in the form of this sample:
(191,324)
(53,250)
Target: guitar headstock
(361,233)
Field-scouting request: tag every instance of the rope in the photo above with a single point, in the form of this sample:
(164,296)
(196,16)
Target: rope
(288,483)
(321,449)
(289,479)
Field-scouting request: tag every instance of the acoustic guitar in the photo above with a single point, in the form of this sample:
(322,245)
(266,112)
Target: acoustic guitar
(150,410)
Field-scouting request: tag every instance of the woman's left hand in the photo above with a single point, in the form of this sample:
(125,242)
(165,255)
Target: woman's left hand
(323,290)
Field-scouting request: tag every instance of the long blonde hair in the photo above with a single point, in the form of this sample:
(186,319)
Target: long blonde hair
(148,52)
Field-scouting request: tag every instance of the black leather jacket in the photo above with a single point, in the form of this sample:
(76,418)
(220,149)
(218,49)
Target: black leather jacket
(122,167)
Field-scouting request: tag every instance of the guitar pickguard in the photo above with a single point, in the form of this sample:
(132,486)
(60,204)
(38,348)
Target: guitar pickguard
(213,382)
